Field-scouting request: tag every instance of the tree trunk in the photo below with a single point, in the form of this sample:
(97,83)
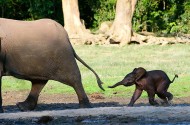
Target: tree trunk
(121,30)
(72,22)
(133,4)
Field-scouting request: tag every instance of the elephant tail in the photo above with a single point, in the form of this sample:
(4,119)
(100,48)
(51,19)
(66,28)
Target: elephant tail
(176,76)
(97,77)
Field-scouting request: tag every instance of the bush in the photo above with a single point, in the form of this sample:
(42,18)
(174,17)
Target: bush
(94,12)
(30,10)
(169,17)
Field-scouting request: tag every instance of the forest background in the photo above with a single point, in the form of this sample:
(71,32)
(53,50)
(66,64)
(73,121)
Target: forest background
(163,17)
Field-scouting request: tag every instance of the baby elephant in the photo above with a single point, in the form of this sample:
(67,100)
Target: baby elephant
(153,82)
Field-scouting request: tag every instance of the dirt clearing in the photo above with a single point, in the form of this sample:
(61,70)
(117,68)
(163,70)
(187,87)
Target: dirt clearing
(63,109)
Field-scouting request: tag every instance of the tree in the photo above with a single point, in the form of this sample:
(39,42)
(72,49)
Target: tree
(121,29)
(72,21)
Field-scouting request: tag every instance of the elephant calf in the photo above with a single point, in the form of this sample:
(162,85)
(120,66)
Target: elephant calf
(39,51)
(153,82)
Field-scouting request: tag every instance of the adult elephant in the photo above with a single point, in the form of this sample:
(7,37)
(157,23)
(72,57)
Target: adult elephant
(39,51)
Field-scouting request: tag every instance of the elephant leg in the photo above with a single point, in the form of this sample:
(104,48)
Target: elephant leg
(168,95)
(135,96)
(162,91)
(75,82)
(82,97)
(73,78)
(31,101)
(163,98)
(151,96)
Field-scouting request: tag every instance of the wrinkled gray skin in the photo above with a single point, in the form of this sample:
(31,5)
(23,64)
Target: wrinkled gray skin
(153,82)
(39,51)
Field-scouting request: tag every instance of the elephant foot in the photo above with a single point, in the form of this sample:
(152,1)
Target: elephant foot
(130,105)
(85,104)
(26,106)
(154,103)
(167,103)
(170,103)
(170,98)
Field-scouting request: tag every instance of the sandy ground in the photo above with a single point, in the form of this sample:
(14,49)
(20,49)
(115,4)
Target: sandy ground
(63,109)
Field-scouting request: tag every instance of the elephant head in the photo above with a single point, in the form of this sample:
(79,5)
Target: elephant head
(128,80)
(131,78)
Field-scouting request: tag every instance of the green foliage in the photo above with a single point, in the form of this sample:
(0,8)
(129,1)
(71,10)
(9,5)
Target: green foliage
(40,8)
(184,22)
(31,9)
(159,16)
(104,11)
(13,9)
(165,16)
(94,12)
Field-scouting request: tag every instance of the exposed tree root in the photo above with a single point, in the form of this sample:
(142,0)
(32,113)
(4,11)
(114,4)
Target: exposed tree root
(104,36)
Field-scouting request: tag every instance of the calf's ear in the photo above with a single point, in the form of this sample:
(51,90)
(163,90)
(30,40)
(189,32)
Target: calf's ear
(139,73)
(134,70)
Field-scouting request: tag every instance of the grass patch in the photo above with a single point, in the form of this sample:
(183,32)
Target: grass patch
(113,63)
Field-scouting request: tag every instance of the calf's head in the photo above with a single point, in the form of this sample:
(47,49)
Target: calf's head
(131,78)
(128,80)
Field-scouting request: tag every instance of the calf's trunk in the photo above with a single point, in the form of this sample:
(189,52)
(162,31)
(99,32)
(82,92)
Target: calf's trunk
(117,84)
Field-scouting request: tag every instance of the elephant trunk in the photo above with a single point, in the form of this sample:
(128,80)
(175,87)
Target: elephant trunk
(117,84)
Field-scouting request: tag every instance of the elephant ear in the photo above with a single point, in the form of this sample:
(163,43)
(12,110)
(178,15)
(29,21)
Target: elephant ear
(139,73)
(134,70)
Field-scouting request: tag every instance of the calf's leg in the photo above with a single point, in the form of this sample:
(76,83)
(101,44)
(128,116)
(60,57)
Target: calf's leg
(163,97)
(162,91)
(169,96)
(151,96)
(135,96)
(166,96)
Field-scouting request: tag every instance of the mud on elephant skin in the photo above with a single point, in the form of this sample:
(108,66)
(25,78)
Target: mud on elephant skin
(153,82)
(39,51)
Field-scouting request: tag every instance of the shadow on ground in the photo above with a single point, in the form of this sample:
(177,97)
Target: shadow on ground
(63,106)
